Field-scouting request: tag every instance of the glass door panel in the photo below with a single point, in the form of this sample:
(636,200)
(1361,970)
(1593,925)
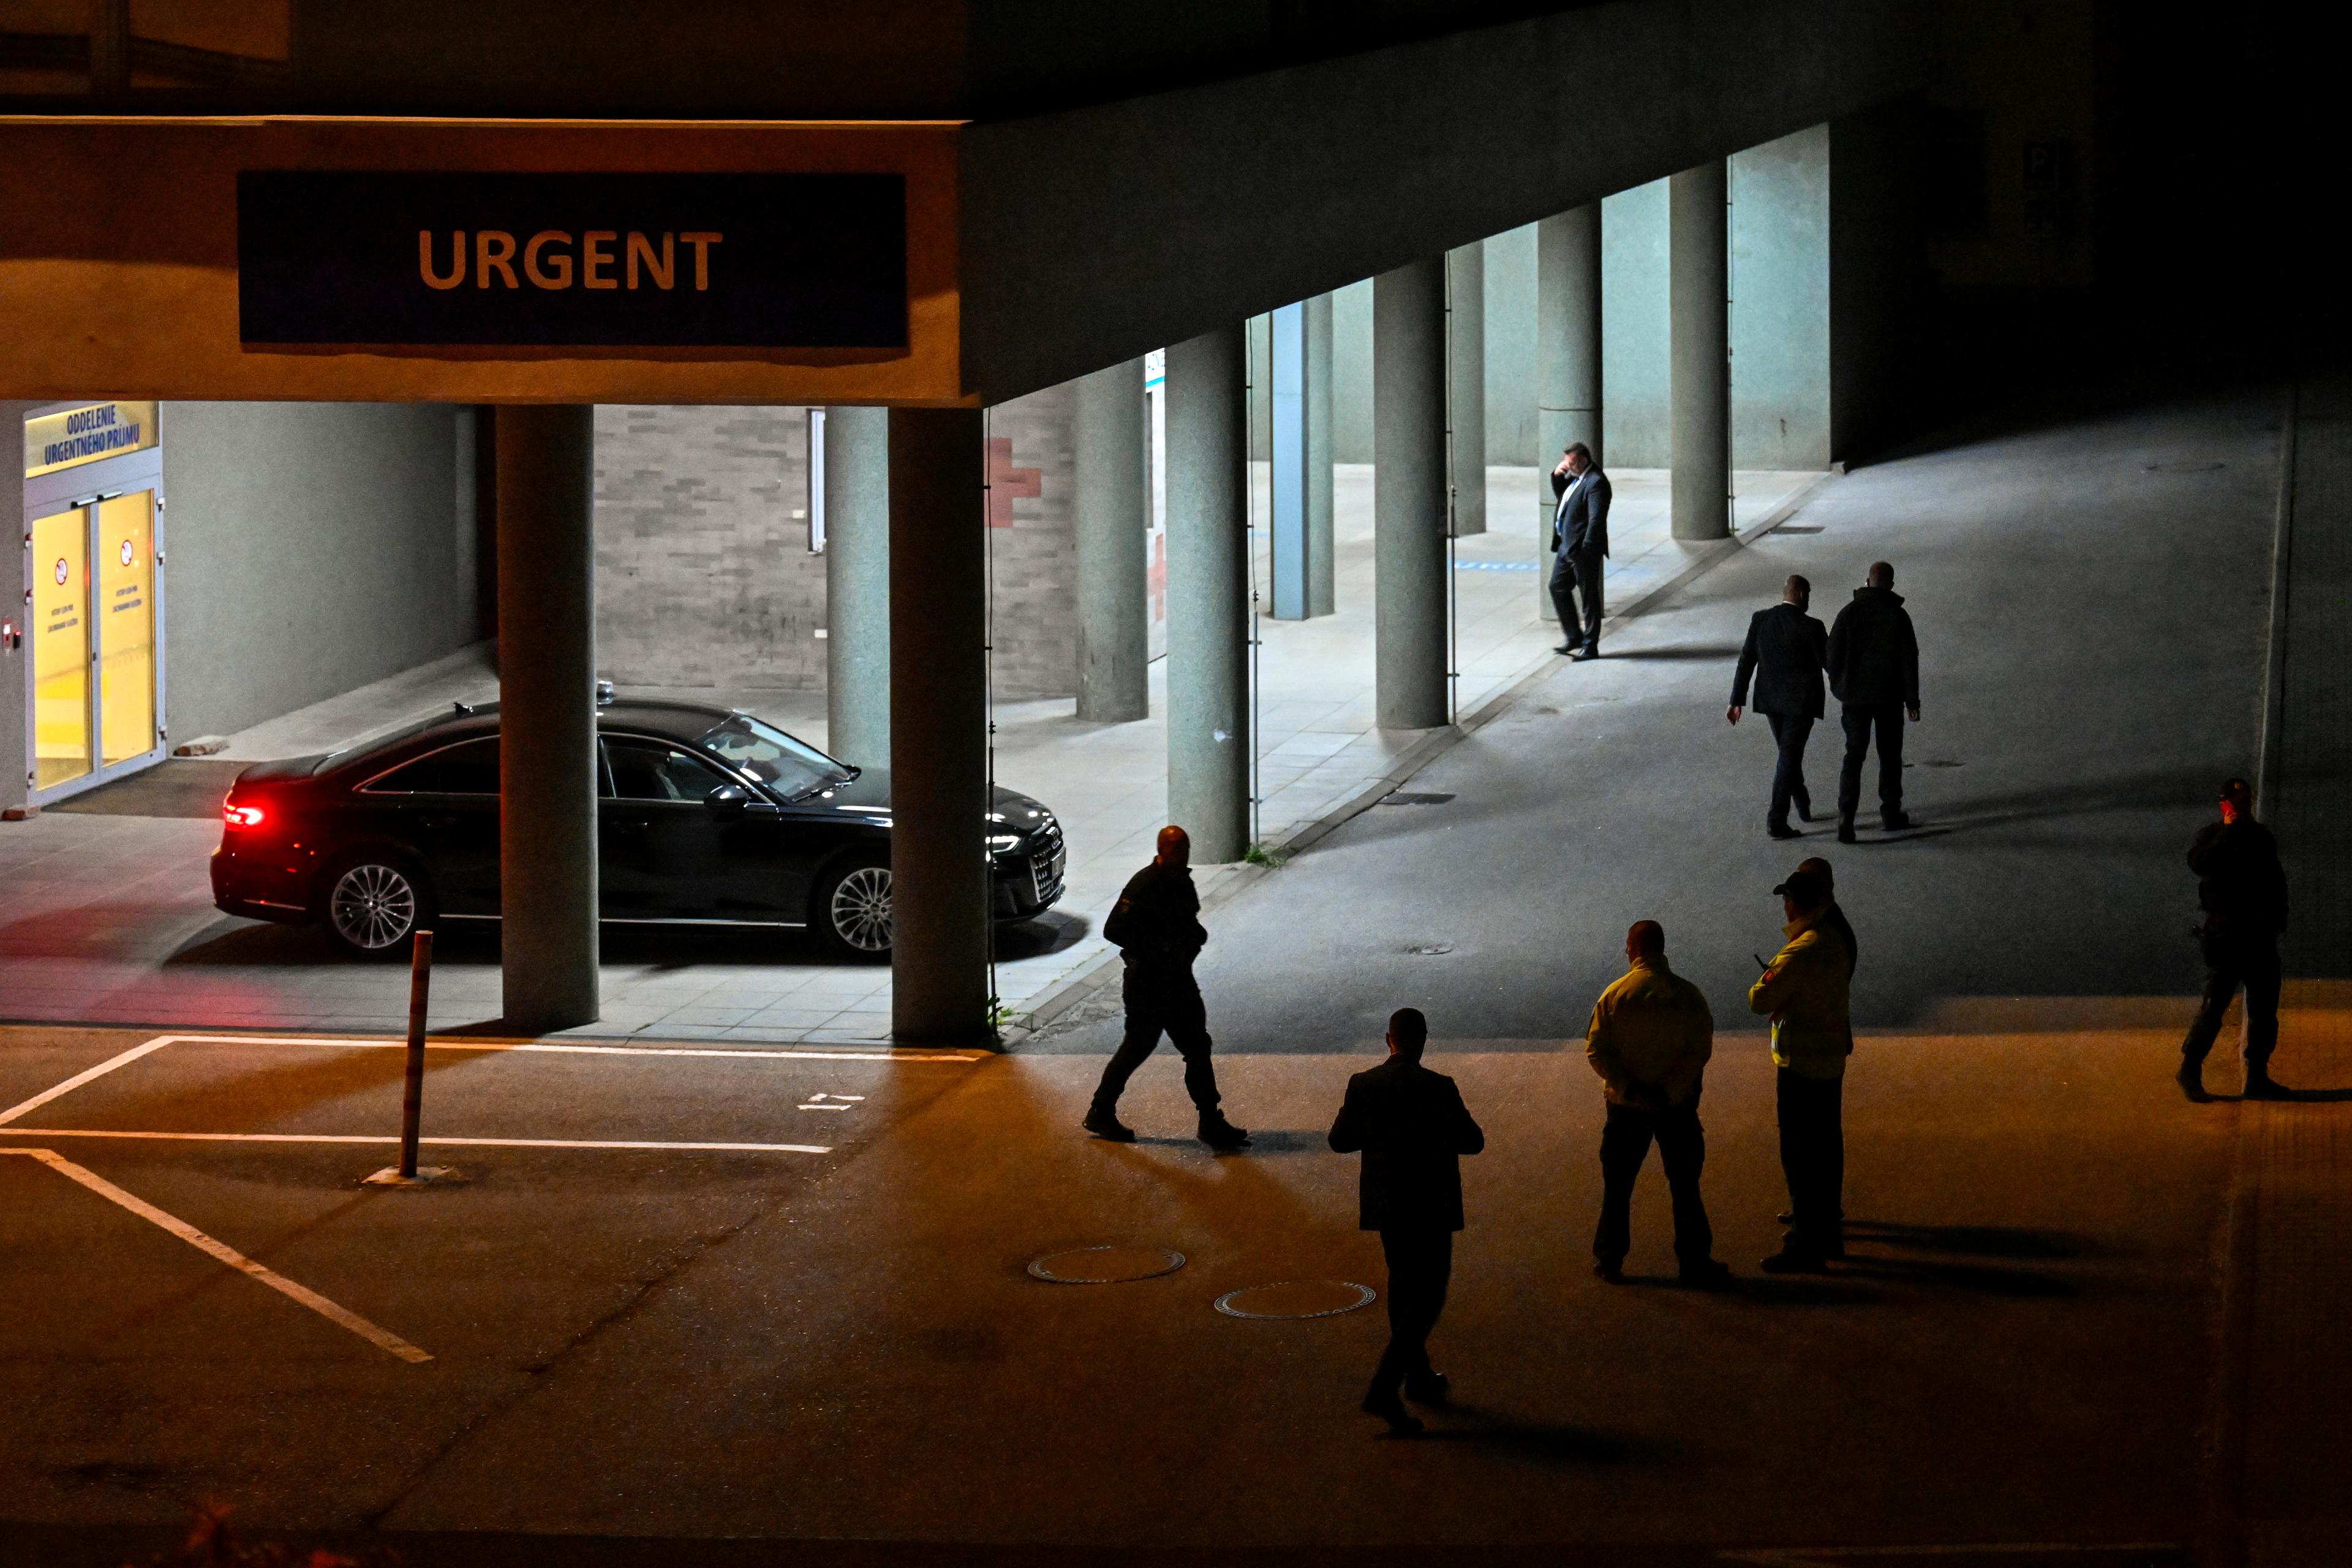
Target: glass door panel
(61,567)
(125,609)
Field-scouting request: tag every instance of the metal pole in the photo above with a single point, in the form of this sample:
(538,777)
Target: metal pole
(412,1099)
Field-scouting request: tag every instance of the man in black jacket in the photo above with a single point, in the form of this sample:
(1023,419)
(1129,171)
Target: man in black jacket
(1579,539)
(1786,651)
(1156,925)
(1412,1129)
(2241,889)
(1874,660)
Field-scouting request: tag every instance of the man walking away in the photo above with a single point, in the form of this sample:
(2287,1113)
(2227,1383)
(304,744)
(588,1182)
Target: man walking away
(1411,1126)
(1804,991)
(1874,661)
(2241,889)
(1649,1040)
(1579,541)
(1786,651)
(1157,926)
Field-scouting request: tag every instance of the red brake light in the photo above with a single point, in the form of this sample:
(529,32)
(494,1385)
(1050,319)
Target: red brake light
(243,816)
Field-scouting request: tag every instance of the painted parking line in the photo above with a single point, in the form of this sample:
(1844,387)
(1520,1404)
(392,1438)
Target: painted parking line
(343,1317)
(443,1142)
(80,1079)
(569,1047)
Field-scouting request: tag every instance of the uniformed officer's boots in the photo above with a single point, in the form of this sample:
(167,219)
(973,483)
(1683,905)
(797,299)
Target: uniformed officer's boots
(1104,1123)
(1220,1135)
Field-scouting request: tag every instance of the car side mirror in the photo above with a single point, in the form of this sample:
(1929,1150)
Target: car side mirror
(727,800)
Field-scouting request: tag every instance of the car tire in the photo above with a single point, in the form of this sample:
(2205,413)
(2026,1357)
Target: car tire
(373,903)
(851,911)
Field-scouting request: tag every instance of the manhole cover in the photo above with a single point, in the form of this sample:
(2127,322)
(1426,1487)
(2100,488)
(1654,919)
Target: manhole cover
(1296,1298)
(1431,949)
(1106,1265)
(1407,797)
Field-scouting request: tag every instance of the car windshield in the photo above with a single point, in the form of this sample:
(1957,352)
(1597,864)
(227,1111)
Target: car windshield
(774,758)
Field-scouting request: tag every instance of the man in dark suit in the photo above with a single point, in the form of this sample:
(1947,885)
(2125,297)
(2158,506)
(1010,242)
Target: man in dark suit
(1579,541)
(1875,670)
(2241,889)
(1412,1127)
(1785,652)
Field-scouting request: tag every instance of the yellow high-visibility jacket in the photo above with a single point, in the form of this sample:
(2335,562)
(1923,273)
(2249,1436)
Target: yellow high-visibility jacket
(1650,1037)
(1805,991)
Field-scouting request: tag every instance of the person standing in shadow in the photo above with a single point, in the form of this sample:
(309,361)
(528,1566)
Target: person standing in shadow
(1874,660)
(1786,652)
(1156,924)
(2241,889)
(1411,1128)
(1649,1039)
(1805,991)
(1579,542)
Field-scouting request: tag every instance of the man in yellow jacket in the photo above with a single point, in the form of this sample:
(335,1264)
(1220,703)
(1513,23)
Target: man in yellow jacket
(1649,1040)
(1805,991)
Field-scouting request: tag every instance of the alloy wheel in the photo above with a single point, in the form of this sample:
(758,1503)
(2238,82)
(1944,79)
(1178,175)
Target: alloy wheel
(373,906)
(860,912)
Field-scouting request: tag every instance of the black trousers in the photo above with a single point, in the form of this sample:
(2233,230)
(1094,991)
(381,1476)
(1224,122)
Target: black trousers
(1812,1157)
(2230,964)
(1625,1139)
(1162,1004)
(1420,1265)
(1859,719)
(1577,574)
(1790,733)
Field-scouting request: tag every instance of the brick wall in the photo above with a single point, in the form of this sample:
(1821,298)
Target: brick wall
(703,573)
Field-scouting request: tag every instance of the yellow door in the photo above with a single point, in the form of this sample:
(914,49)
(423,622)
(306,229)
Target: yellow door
(125,608)
(60,647)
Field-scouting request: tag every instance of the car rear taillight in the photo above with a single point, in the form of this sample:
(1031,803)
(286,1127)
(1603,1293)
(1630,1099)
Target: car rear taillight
(244,816)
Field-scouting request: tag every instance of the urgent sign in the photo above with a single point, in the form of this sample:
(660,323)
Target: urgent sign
(361,258)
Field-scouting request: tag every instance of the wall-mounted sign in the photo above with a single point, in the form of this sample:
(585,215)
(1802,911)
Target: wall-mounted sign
(84,434)
(346,258)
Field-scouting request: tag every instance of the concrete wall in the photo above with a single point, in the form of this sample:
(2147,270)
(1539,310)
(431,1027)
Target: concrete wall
(311,548)
(1635,418)
(1351,373)
(1781,303)
(704,576)
(1511,347)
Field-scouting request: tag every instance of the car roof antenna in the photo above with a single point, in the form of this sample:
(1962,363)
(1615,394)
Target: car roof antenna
(463,708)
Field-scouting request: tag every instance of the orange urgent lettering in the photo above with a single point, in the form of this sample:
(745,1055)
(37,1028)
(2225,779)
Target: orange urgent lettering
(665,271)
(494,252)
(424,259)
(595,253)
(702,240)
(556,271)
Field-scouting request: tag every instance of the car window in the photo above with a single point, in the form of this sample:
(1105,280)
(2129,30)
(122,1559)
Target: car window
(470,767)
(649,770)
(788,766)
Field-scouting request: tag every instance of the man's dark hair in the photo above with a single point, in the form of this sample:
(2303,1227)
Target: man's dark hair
(1882,574)
(1579,450)
(1648,938)
(1796,584)
(1410,1030)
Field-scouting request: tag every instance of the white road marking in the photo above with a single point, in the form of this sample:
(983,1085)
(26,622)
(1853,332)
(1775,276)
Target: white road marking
(446,1143)
(80,1079)
(382,1338)
(565,1048)
(814,1107)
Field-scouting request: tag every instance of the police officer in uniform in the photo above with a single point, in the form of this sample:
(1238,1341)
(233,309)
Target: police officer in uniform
(1156,925)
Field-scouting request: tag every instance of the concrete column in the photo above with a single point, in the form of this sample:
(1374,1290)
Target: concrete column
(1465,384)
(858,585)
(1697,261)
(1322,569)
(1114,497)
(1409,495)
(1286,471)
(1209,738)
(547,732)
(1568,359)
(939,892)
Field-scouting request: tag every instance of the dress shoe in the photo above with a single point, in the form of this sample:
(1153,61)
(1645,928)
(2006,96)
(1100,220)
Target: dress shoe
(1106,1126)
(1390,1408)
(1780,830)
(1895,822)
(2191,1079)
(1583,654)
(1607,1272)
(1428,1387)
(1564,648)
(1222,1135)
(2262,1086)
(1846,831)
(1707,1274)
(1788,1216)
(1792,1260)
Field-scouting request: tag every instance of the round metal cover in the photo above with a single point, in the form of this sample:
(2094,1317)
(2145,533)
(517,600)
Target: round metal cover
(1295,1299)
(1106,1265)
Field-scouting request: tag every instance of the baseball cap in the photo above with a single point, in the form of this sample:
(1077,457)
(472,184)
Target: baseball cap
(1807,887)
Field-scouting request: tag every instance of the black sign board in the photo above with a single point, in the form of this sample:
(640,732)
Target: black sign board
(661,261)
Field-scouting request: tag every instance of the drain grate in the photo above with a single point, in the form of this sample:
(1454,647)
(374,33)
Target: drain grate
(1408,798)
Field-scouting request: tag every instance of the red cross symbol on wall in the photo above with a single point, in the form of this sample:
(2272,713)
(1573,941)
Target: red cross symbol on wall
(1158,576)
(1006,484)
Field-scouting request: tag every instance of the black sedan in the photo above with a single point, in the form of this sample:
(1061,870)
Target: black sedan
(705,817)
